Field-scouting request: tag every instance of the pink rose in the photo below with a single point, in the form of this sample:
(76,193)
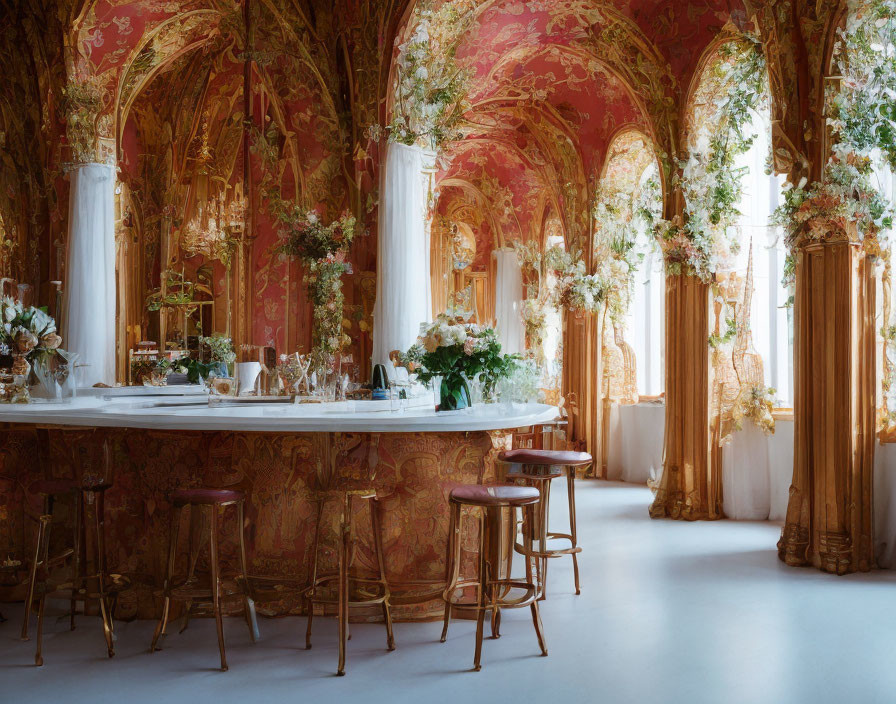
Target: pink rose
(51,341)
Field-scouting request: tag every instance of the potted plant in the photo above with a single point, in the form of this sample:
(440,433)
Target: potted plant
(221,353)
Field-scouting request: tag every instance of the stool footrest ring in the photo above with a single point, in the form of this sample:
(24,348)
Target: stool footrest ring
(530,596)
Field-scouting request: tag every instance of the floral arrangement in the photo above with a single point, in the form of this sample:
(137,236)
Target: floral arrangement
(220,348)
(580,291)
(577,290)
(710,183)
(863,108)
(195,370)
(308,238)
(454,349)
(845,197)
(27,334)
(431,90)
(622,217)
(862,120)
(535,321)
(81,104)
(323,249)
(756,404)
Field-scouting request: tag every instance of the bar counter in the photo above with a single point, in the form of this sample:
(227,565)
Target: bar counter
(193,412)
(279,455)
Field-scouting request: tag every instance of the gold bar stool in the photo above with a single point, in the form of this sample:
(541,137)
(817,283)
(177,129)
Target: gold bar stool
(191,589)
(492,592)
(379,592)
(98,585)
(538,468)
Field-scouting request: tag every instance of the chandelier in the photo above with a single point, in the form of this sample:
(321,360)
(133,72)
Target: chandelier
(214,230)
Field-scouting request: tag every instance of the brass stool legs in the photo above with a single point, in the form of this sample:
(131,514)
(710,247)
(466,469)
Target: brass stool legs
(492,589)
(189,591)
(342,579)
(83,587)
(571,499)
(173,532)
(538,468)
(535,528)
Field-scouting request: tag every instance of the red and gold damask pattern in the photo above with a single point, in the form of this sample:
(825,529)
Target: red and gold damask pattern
(413,474)
(156,84)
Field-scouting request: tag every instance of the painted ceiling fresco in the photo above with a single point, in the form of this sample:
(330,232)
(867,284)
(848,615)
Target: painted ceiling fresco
(158,85)
(546,75)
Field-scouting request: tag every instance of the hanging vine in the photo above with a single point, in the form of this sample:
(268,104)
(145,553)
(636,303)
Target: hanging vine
(712,184)
(623,216)
(863,120)
(431,88)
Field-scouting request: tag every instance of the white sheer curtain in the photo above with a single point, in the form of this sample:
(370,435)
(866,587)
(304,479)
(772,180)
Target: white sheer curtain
(646,324)
(88,320)
(403,287)
(509,301)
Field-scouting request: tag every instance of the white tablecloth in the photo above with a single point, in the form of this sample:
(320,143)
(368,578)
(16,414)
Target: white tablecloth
(635,452)
(756,468)
(885,505)
(745,475)
(756,473)
(780,456)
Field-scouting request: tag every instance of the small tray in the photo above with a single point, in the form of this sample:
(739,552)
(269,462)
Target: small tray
(248,400)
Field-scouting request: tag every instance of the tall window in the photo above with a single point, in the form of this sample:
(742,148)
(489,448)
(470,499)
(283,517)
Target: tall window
(627,205)
(730,199)
(771,316)
(646,321)
(884,180)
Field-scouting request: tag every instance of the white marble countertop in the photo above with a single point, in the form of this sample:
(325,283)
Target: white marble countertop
(191,413)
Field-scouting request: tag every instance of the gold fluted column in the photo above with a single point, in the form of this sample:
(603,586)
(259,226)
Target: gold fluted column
(829,516)
(582,375)
(690,488)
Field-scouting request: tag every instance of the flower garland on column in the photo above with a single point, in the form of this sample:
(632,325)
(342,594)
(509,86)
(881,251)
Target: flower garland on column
(322,249)
(622,216)
(704,243)
(701,243)
(431,89)
(862,116)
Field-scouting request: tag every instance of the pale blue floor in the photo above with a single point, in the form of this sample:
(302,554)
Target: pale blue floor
(670,612)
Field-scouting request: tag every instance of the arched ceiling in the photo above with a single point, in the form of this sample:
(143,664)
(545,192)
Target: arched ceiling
(554,80)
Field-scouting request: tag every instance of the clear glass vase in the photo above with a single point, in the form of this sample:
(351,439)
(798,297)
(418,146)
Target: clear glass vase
(53,378)
(454,393)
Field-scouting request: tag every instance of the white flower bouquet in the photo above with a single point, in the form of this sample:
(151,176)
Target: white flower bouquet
(27,332)
(455,350)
